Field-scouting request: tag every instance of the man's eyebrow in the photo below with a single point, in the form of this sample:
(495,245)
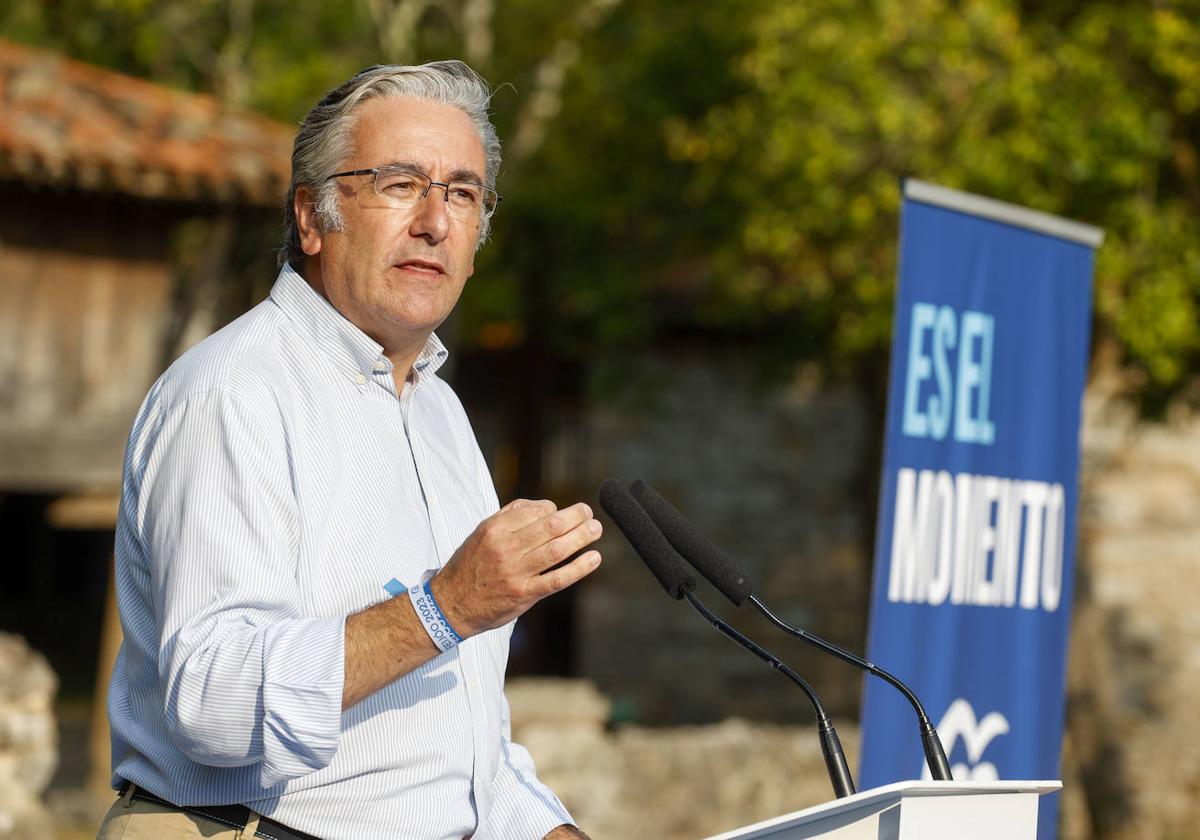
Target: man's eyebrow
(457,175)
(466,175)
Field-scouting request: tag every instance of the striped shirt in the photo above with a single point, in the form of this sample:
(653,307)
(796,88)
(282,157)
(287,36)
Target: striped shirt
(274,482)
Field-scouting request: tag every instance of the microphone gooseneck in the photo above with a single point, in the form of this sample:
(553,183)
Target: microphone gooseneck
(831,745)
(739,587)
(671,572)
(935,755)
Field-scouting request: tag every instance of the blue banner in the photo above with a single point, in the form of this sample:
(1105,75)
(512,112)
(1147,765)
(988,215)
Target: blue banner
(975,556)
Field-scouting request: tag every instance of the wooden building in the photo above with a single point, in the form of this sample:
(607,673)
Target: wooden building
(97,172)
(130,215)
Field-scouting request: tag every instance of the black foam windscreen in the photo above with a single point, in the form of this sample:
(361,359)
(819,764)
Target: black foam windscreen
(649,543)
(722,572)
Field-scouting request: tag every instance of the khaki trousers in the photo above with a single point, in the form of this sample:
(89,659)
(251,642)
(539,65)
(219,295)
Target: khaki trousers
(130,820)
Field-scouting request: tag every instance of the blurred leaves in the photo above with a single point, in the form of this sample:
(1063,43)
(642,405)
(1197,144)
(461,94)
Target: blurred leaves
(734,165)
(273,55)
(1085,116)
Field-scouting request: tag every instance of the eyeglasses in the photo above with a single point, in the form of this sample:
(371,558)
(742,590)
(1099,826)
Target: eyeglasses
(403,188)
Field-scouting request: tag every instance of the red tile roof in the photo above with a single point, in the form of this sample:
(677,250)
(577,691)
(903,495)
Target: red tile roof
(69,124)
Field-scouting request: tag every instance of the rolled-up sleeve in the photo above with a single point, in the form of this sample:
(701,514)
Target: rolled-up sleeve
(522,806)
(246,675)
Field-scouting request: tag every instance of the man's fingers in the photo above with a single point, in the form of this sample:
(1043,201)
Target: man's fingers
(568,574)
(553,525)
(544,556)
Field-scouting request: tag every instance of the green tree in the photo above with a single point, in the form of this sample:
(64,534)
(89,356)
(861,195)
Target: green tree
(734,165)
(1091,113)
(272,55)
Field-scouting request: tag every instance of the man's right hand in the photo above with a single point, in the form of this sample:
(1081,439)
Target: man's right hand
(507,564)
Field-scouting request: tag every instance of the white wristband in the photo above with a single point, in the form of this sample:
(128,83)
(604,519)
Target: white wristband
(432,618)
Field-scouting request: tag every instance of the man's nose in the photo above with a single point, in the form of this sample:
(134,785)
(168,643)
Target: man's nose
(432,218)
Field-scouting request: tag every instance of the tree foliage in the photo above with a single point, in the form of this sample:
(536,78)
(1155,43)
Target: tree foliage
(737,167)
(734,165)
(1093,114)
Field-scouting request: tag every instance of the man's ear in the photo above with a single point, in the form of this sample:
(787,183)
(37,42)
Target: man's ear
(305,208)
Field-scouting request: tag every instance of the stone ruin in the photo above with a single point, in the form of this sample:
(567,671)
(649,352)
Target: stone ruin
(28,739)
(676,783)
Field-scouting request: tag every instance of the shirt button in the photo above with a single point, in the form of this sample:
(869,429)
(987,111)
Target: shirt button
(381,366)
(360,379)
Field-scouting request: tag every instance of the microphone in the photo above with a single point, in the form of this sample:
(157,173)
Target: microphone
(696,548)
(672,573)
(739,587)
(664,562)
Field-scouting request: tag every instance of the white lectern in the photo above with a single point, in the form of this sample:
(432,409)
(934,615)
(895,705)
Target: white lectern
(914,811)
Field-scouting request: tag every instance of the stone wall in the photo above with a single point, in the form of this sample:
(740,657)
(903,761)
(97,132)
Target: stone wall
(678,783)
(28,739)
(1133,716)
(774,475)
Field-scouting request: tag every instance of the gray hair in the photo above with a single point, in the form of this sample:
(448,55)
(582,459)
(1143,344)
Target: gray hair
(323,142)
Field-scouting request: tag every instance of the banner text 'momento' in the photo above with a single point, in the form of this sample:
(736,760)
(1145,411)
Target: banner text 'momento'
(976,539)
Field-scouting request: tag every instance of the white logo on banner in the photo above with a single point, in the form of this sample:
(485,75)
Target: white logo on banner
(960,722)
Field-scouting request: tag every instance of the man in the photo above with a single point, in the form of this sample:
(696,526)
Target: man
(315,585)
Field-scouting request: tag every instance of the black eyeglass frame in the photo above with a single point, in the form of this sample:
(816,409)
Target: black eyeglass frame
(375,170)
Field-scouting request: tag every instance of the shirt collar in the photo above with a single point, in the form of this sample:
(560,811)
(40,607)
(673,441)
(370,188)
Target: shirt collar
(351,349)
(432,356)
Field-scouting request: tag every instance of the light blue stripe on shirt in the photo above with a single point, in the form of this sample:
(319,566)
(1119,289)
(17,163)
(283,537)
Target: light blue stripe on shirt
(275,482)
